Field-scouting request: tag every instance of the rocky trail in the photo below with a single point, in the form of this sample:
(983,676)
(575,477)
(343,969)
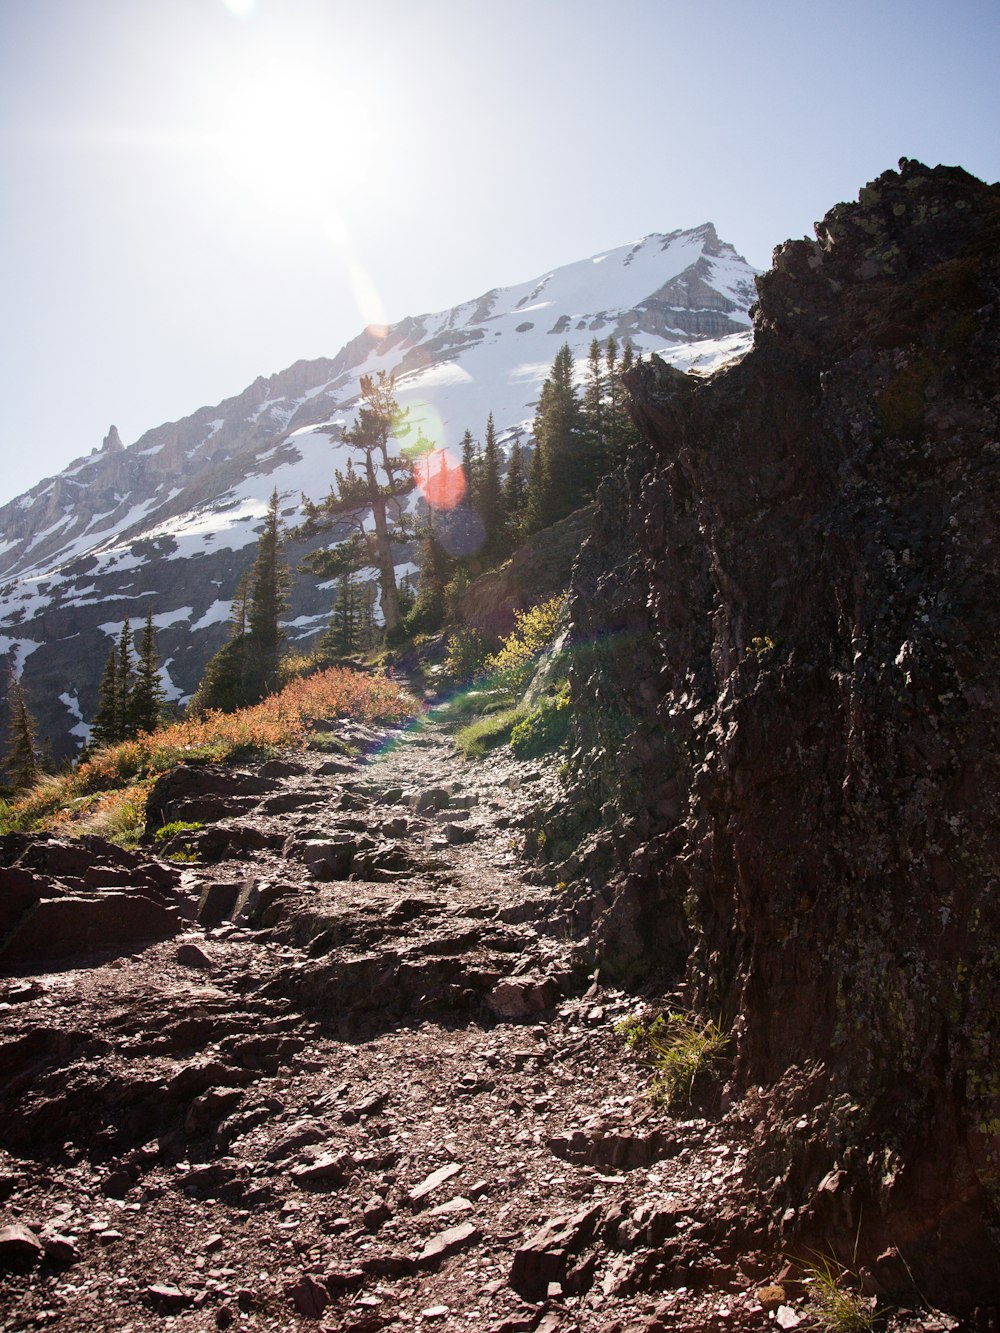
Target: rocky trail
(367,1081)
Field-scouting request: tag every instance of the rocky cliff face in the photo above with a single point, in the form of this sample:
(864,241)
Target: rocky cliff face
(787,630)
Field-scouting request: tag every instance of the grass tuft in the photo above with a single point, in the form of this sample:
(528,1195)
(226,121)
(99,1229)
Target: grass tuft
(682,1050)
(839,1306)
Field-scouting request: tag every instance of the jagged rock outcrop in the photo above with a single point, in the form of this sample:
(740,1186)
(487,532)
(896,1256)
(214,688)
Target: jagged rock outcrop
(787,702)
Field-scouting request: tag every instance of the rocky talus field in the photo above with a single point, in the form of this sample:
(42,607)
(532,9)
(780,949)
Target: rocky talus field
(364,1080)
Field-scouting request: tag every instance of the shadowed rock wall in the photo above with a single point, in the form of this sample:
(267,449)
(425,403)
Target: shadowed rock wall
(787,699)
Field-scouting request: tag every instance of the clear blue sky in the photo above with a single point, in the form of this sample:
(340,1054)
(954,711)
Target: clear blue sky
(195,192)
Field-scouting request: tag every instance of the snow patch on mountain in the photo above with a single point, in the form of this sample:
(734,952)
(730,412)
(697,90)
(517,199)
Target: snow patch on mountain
(172,519)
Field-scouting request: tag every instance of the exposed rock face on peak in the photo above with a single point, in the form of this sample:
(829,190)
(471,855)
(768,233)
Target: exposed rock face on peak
(172,519)
(788,617)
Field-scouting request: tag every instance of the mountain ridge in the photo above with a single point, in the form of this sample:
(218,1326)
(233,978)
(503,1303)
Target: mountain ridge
(100,540)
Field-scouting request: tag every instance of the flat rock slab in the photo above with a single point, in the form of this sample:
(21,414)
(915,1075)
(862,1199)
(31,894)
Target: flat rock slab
(449,1242)
(428,1186)
(67,926)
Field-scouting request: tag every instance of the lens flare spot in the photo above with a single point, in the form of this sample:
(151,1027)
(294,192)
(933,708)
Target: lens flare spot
(366,295)
(440,480)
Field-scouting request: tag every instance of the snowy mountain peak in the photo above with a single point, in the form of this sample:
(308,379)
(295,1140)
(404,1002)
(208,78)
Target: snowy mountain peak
(173,517)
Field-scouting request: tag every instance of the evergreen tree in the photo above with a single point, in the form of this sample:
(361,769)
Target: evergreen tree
(614,400)
(123,682)
(104,728)
(515,492)
(561,471)
(148,694)
(378,485)
(246,668)
(269,580)
(490,499)
(343,636)
(240,606)
(431,604)
(471,466)
(21,757)
(594,395)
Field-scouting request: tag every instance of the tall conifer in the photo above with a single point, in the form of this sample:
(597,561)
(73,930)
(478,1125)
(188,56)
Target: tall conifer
(21,756)
(269,580)
(147,693)
(123,682)
(104,728)
(490,497)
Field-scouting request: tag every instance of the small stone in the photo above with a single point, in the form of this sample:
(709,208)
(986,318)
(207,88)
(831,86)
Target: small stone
(435,1179)
(771,1296)
(785,1317)
(456,1205)
(376,1212)
(60,1249)
(117,1184)
(330,1168)
(167,1296)
(435,1312)
(189,955)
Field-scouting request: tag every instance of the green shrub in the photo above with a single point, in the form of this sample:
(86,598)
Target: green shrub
(543,730)
(840,1306)
(681,1050)
(178,826)
(532,633)
(465,660)
(487,733)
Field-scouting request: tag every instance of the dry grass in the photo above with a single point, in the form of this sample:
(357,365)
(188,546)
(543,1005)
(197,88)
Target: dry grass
(104,793)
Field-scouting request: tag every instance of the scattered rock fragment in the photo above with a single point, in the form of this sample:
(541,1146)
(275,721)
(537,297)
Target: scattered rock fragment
(19,1246)
(309,1297)
(431,1183)
(449,1242)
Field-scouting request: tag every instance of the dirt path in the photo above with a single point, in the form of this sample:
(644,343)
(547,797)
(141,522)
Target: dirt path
(387,1101)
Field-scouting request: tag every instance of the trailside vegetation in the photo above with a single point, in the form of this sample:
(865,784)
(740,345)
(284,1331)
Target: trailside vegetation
(131,695)
(246,669)
(119,774)
(22,761)
(375,482)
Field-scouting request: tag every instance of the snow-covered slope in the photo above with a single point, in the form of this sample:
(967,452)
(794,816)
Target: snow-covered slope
(172,519)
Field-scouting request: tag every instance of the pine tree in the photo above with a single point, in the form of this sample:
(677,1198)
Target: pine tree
(104,728)
(614,400)
(515,493)
(490,496)
(269,580)
(470,466)
(344,633)
(594,406)
(123,682)
(148,694)
(430,606)
(561,471)
(378,486)
(22,763)
(246,668)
